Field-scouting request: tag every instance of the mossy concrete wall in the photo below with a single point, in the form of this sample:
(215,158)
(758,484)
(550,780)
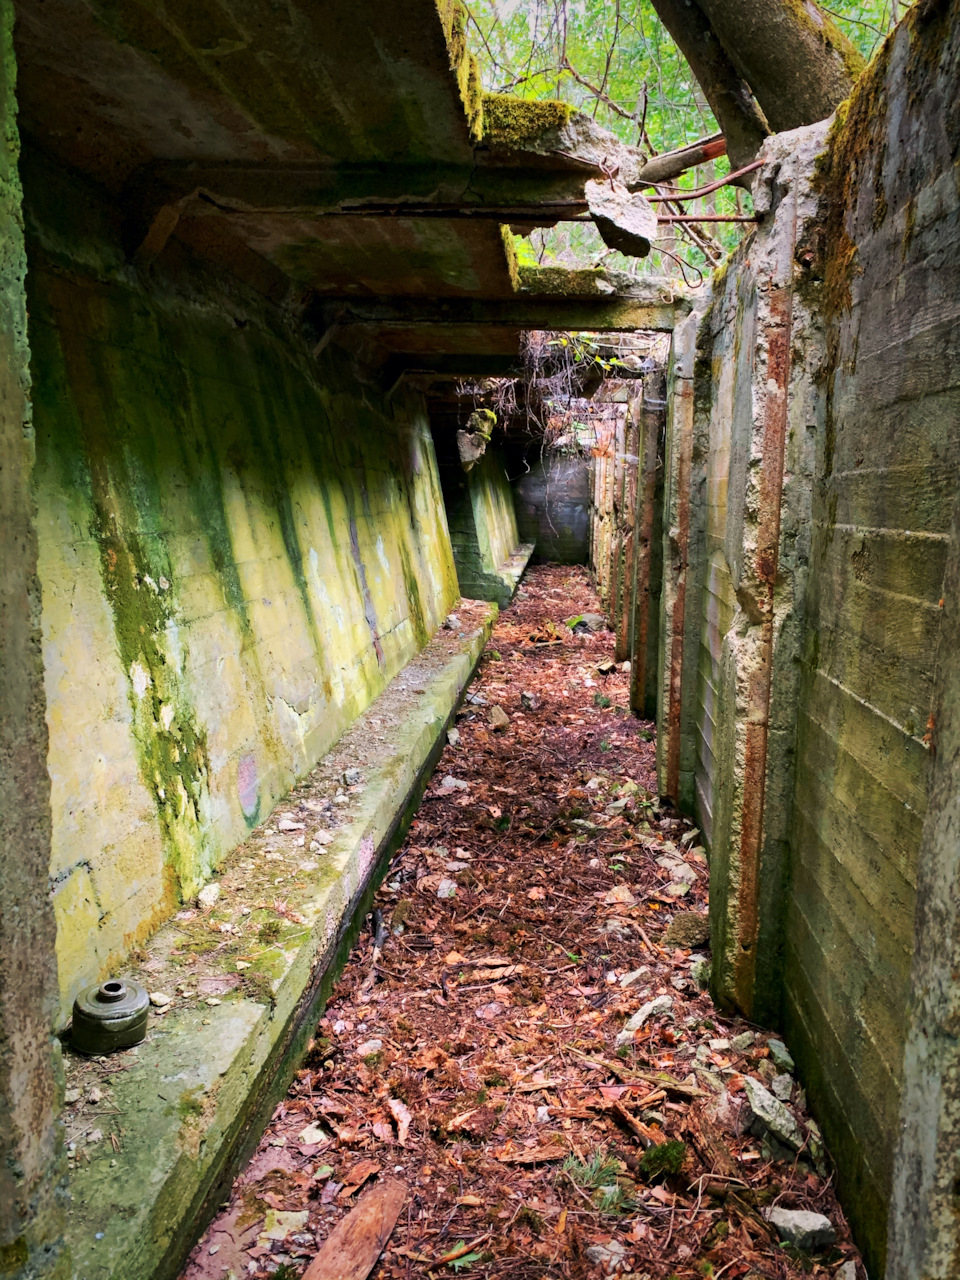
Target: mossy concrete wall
(552,502)
(482,522)
(887,466)
(31,1208)
(239,547)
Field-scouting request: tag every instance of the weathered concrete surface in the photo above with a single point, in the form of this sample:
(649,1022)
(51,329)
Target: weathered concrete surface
(648,552)
(923,1230)
(758,353)
(31,1208)
(682,523)
(207,1077)
(489,557)
(888,459)
(552,502)
(238,549)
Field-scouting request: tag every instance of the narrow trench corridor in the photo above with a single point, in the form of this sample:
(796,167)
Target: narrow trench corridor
(520,1051)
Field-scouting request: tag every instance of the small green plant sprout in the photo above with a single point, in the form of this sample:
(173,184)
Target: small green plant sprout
(664,1159)
(605,744)
(601,700)
(458,1261)
(612,1198)
(600,1170)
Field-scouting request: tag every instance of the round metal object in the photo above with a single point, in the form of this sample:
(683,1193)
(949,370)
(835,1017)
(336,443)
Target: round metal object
(110,1016)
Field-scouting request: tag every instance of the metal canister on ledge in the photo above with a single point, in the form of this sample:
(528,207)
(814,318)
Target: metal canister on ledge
(110,1016)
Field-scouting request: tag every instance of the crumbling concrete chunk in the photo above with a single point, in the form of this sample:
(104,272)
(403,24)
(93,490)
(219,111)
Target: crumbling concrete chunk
(624,219)
(473,440)
(802,1229)
(771,1116)
(780,1055)
(499,720)
(609,1256)
(659,1005)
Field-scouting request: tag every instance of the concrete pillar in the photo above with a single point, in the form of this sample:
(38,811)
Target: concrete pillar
(30,1209)
(628,521)
(924,1225)
(680,595)
(648,555)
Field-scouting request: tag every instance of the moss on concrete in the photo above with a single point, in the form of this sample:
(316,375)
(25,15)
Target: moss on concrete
(514,124)
(199,498)
(208,1078)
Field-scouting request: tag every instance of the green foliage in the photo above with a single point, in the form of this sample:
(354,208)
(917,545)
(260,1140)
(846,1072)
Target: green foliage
(599,1170)
(612,1199)
(617,63)
(465,1261)
(664,1159)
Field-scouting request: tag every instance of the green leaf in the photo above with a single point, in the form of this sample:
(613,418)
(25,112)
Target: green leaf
(467,1260)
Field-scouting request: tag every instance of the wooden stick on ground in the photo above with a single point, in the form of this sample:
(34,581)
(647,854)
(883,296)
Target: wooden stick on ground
(355,1244)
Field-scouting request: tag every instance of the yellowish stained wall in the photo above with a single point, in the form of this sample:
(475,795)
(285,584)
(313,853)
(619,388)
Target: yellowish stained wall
(238,549)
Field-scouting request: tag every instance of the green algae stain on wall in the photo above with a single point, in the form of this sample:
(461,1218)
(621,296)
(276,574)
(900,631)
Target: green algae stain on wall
(218,516)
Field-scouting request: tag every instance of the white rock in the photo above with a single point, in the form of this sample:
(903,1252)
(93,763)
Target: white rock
(633,976)
(610,1256)
(159,999)
(802,1229)
(658,1005)
(454,784)
(288,824)
(208,896)
(312,1134)
(771,1115)
(781,1055)
(446,889)
(369,1046)
(782,1087)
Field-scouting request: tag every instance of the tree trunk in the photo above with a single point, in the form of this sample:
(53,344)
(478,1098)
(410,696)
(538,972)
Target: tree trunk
(762,64)
(797,62)
(731,101)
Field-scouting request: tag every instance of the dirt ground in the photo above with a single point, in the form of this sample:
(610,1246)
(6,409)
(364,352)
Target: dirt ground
(519,1039)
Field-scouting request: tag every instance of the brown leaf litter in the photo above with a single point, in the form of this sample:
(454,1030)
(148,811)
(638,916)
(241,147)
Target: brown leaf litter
(529,1049)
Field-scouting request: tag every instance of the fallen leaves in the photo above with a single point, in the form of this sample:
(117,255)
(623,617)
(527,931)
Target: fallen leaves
(402,1115)
(471,1040)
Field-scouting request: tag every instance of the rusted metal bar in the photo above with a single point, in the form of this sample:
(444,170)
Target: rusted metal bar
(709,188)
(706,217)
(756,732)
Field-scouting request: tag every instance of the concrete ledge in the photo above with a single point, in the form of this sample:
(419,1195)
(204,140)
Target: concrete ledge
(188,1105)
(499,586)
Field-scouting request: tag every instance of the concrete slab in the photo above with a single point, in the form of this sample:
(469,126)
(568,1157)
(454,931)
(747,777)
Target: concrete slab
(181,1112)
(512,570)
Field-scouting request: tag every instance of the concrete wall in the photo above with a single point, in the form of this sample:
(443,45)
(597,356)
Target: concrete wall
(552,502)
(888,463)
(626,518)
(482,522)
(31,1157)
(238,549)
(812,436)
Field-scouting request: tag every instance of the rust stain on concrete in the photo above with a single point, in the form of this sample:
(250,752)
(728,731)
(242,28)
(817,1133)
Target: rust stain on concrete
(758,689)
